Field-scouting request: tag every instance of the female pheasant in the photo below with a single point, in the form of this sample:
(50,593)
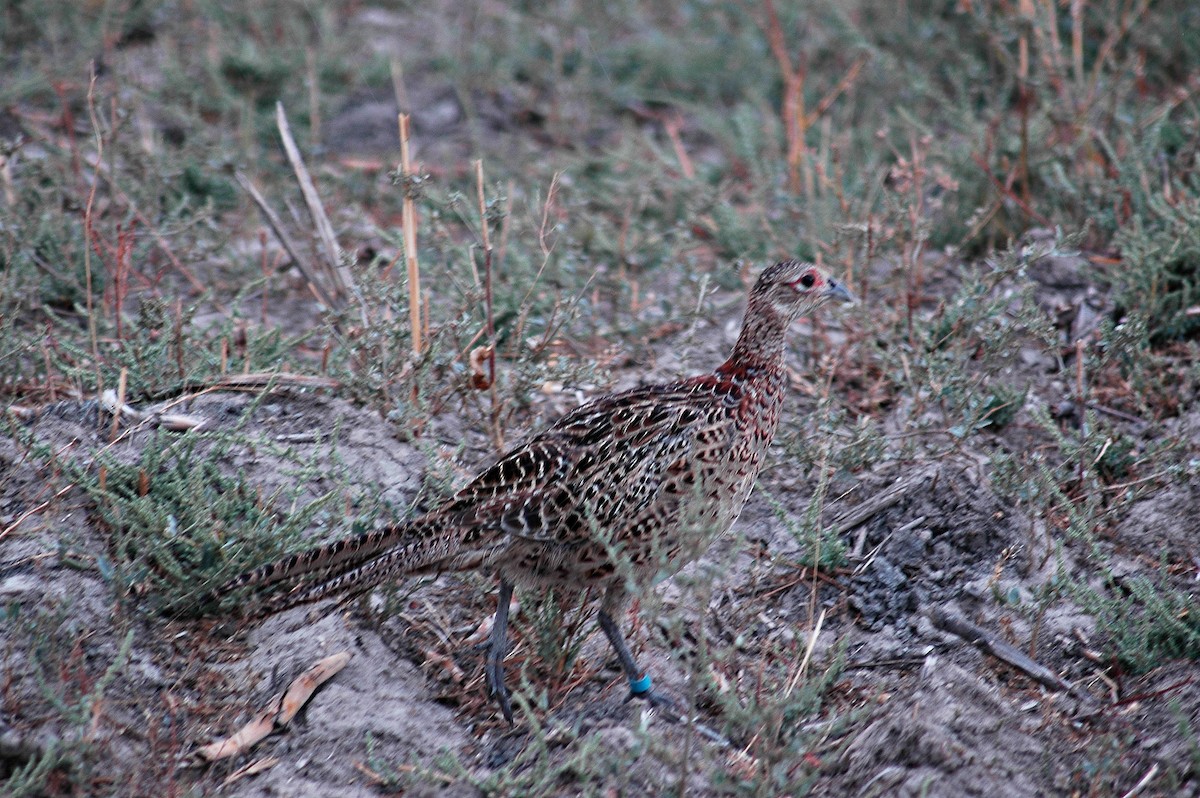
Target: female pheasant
(617,494)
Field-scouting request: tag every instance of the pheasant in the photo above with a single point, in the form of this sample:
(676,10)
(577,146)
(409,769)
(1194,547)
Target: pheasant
(617,494)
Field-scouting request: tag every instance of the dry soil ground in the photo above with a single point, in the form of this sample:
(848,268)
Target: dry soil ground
(923,712)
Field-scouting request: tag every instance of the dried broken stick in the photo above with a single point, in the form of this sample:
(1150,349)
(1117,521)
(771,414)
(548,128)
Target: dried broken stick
(279,712)
(1008,654)
(175,422)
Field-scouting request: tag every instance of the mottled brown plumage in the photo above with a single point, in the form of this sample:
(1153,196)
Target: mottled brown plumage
(619,492)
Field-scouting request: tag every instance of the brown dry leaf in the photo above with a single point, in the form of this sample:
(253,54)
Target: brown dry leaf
(254,768)
(279,712)
(484,630)
(741,765)
(304,685)
(665,329)
(478,362)
(179,422)
(445,663)
(244,738)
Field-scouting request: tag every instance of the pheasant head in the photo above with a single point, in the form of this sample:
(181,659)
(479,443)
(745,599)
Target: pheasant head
(784,292)
(794,289)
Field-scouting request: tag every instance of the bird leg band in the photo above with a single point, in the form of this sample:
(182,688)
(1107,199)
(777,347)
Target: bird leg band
(640,686)
(639,682)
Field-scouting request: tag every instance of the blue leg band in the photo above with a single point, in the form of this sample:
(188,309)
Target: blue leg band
(640,686)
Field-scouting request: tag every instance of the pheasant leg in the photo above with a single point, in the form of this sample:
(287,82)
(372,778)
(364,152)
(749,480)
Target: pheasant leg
(639,681)
(497,648)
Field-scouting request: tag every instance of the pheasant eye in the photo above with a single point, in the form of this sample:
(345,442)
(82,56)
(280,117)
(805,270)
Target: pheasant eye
(807,280)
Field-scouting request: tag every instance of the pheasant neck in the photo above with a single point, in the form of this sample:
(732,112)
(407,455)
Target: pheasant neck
(759,348)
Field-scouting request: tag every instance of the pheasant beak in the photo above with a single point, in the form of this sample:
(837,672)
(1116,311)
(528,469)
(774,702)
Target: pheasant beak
(836,290)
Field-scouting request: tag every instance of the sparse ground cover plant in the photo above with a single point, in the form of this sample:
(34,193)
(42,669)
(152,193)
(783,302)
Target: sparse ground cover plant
(1005,430)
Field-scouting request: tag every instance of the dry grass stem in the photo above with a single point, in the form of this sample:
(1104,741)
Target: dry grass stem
(338,275)
(315,281)
(409,222)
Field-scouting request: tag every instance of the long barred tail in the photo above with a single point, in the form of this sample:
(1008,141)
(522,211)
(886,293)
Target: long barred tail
(343,568)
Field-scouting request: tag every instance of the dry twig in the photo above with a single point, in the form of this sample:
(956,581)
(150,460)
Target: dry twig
(877,504)
(1010,655)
